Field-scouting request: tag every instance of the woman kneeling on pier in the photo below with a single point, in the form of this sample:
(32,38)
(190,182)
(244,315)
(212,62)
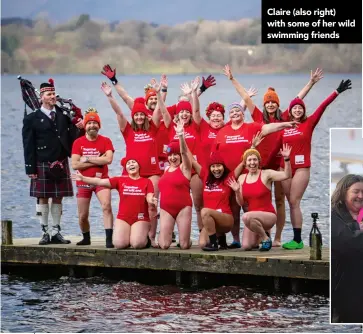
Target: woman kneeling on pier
(132,225)
(254,188)
(175,199)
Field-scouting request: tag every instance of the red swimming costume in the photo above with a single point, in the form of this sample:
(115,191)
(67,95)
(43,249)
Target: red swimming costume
(174,192)
(258,196)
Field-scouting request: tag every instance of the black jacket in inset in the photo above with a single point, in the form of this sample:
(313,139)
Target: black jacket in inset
(45,140)
(346,267)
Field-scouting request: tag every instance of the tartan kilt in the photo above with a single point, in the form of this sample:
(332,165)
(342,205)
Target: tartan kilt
(43,187)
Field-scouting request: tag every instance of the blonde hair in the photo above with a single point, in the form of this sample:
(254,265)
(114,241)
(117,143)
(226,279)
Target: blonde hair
(251,151)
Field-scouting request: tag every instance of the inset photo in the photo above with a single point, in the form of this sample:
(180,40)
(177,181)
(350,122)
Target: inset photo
(346,232)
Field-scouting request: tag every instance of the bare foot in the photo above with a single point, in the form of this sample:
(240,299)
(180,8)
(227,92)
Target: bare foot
(154,244)
(276,243)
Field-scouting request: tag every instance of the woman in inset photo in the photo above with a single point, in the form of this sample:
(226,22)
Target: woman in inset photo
(347,250)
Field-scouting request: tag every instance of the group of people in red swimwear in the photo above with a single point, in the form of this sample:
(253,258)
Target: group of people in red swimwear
(177,158)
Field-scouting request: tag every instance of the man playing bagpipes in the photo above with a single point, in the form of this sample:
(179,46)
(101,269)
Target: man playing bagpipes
(48,134)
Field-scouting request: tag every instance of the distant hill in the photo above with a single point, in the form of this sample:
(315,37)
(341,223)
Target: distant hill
(156,11)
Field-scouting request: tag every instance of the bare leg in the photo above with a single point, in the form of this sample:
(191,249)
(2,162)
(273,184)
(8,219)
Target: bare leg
(249,239)
(139,233)
(83,214)
(281,213)
(236,211)
(153,210)
(104,197)
(196,186)
(203,238)
(121,234)
(184,222)
(167,223)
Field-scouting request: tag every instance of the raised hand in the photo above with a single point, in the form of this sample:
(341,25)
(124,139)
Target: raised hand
(179,128)
(257,139)
(186,89)
(155,85)
(106,89)
(110,73)
(195,83)
(344,85)
(285,151)
(206,83)
(228,72)
(316,76)
(252,91)
(233,184)
(164,81)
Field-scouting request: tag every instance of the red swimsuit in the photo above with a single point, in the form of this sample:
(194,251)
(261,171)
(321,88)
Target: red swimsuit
(174,192)
(257,195)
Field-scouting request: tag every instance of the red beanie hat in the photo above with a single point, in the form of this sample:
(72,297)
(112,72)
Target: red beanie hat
(216,158)
(173,147)
(296,101)
(127,158)
(183,105)
(150,92)
(271,96)
(139,107)
(91,115)
(139,100)
(214,106)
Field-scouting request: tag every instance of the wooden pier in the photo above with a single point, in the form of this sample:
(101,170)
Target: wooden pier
(283,269)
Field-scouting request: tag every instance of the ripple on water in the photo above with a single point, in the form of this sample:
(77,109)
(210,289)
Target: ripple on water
(99,305)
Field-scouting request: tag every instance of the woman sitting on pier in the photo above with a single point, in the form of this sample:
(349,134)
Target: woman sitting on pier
(175,199)
(254,188)
(132,224)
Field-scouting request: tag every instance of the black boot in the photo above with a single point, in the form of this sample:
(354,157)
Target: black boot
(222,242)
(86,239)
(45,240)
(109,232)
(212,245)
(58,238)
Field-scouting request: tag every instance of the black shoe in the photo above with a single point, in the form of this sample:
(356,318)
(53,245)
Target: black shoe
(222,242)
(173,237)
(84,242)
(210,247)
(58,239)
(109,244)
(45,240)
(148,244)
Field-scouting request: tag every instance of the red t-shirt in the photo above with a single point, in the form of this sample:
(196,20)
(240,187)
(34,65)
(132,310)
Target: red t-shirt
(216,198)
(133,204)
(207,138)
(87,148)
(300,137)
(191,136)
(142,145)
(269,147)
(233,143)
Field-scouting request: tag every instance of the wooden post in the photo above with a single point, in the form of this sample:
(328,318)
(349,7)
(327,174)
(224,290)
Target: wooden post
(6,232)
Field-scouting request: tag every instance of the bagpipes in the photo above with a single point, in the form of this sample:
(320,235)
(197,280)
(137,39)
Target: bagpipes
(31,98)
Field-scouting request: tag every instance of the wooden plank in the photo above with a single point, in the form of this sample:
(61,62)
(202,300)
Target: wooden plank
(277,262)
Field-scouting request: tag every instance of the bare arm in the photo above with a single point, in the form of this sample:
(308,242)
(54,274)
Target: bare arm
(238,193)
(314,78)
(274,127)
(187,164)
(164,86)
(104,159)
(95,181)
(77,164)
(286,173)
(122,121)
(195,101)
(160,109)
(239,88)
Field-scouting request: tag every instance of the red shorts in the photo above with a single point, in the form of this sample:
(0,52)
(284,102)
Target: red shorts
(132,219)
(83,192)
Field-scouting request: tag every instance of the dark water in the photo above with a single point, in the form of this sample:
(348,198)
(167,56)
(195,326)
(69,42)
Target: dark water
(98,305)
(93,305)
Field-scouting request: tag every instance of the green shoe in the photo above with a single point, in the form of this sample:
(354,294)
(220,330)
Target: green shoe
(293,245)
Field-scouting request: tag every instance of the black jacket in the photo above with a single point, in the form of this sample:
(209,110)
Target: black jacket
(346,267)
(45,140)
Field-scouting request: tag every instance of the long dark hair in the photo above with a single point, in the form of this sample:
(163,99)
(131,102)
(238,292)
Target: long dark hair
(212,180)
(277,115)
(340,192)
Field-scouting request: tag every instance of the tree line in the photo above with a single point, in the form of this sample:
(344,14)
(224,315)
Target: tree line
(83,45)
